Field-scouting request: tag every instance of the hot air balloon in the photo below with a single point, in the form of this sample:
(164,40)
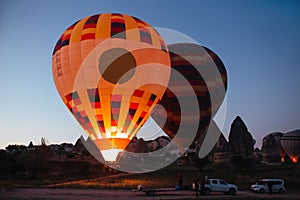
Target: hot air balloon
(110,70)
(281,152)
(206,74)
(291,144)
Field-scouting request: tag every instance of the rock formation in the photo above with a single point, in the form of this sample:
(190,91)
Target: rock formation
(137,146)
(257,155)
(79,147)
(221,145)
(221,155)
(141,146)
(241,141)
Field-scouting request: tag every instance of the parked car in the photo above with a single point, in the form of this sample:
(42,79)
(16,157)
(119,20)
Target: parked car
(262,186)
(219,185)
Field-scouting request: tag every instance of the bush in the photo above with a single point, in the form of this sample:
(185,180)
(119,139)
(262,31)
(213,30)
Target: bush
(70,155)
(200,163)
(240,162)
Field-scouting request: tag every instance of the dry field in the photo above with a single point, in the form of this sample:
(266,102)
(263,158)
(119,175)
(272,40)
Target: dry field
(103,194)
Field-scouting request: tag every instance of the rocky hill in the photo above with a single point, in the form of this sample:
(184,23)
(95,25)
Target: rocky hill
(48,162)
(241,141)
(62,161)
(52,163)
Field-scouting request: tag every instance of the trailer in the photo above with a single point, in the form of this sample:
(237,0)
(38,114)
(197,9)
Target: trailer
(152,191)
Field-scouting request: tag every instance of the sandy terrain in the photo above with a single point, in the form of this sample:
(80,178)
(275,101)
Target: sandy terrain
(101,194)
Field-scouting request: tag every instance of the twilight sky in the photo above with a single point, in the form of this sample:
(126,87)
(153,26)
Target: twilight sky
(258,41)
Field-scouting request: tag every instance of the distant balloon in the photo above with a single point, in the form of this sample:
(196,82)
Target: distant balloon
(291,144)
(282,153)
(110,70)
(193,62)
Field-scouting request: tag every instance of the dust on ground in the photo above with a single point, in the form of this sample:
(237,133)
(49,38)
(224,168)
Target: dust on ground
(101,194)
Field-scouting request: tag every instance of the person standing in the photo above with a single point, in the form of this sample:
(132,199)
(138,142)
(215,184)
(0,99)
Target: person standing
(202,185)
(270,187)
(196,187)
(206,179)
(180,180)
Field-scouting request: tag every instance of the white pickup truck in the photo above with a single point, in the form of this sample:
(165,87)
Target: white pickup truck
(218,185)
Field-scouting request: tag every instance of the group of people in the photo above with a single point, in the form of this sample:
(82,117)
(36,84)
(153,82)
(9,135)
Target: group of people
(199,186)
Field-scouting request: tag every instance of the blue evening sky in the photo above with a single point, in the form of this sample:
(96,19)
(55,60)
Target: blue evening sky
(258,41)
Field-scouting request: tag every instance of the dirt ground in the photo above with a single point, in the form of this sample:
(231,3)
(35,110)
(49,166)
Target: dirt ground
(101,194)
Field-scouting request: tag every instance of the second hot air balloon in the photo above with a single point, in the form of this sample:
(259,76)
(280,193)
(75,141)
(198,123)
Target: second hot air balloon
(291,144)
(206,74)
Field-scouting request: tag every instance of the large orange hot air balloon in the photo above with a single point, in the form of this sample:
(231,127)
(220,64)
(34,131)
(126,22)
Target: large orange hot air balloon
(110,70)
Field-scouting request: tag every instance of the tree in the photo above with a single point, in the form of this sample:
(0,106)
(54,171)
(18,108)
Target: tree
(15,147)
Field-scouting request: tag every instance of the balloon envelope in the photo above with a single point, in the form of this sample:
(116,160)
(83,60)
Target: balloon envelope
(291,144)
(206,74)
(110,70)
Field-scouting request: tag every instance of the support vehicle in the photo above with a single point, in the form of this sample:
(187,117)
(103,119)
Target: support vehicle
(219,185)
(262,186)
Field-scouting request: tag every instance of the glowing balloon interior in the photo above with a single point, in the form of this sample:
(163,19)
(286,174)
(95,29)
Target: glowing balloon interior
(291,144)
(103,66)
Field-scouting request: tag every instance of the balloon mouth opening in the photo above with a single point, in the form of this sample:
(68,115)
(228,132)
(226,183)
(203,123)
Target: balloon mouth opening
(112,145)
(111,155)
